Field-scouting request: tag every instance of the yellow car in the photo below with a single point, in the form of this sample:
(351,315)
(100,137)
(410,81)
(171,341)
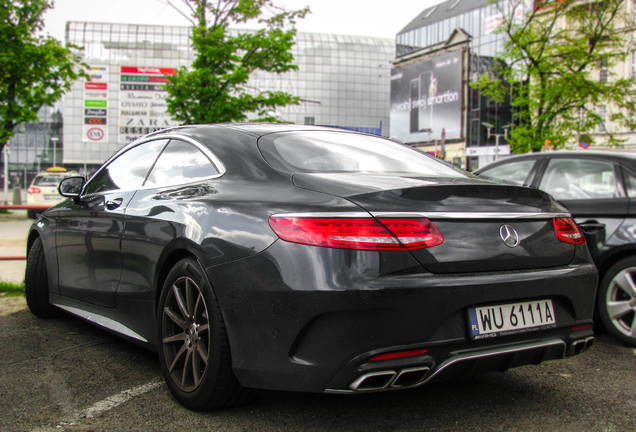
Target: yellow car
(43,189)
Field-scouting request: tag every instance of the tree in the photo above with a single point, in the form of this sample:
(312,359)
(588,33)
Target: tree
(214,89)
(557,67)
(34,70)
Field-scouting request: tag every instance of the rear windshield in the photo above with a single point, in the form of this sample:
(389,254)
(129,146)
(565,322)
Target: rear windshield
(47,180)
(341,152)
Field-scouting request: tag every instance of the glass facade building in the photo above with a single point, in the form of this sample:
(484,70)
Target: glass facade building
(342,81)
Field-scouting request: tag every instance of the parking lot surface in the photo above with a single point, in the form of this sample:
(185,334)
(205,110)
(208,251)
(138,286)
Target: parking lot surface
(66,375)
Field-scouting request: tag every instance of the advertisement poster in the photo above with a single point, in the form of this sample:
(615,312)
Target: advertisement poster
(426,99)
(142,101)
(95,129)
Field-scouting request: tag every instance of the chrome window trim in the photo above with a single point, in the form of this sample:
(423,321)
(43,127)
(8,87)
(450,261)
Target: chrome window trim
(430,215)
(215,161)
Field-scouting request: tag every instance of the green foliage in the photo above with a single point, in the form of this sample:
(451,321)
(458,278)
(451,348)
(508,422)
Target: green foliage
(551,67)
(214,89)
(34,70)
(9,289)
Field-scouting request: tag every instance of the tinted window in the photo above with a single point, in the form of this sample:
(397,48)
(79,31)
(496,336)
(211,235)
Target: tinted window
(128,171)
(579,179)
(513,172)
(630,180)
(180,163)
(322,152)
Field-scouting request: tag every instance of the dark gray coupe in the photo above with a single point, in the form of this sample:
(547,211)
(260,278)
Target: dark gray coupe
(256,256)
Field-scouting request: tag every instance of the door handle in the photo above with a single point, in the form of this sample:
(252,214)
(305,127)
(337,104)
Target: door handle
(114,203)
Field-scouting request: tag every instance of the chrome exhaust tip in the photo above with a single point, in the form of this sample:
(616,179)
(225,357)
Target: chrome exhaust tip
(410,377)
(374,381)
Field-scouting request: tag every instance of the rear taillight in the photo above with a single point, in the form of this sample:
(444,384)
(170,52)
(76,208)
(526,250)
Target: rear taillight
(567,231)
(34,190)
(358,233)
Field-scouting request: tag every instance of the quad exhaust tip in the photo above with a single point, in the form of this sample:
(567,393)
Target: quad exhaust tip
(580,345)
(388,379)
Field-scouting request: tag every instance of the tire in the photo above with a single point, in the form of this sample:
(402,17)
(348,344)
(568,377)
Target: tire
(36,283)
(31,214)
(616,301)
(194,349)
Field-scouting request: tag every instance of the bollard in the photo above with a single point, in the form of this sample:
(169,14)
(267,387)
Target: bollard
(17,196)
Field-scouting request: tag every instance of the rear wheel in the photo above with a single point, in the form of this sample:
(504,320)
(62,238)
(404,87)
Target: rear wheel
(36,283)
(617,300)
(194,350)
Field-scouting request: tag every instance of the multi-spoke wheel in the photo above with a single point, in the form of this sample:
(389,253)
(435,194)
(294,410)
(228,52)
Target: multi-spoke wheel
(194,349)
(617,300)
(36,283)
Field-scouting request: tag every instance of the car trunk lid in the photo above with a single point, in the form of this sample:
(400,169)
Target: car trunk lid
(485,226)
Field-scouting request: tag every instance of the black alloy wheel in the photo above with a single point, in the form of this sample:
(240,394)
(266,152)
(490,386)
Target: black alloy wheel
(616,300)
(194,348)
(36,282)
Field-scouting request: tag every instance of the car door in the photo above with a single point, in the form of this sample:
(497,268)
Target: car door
(89,232)
(592,191)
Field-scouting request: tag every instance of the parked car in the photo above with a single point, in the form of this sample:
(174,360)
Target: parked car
(599,188)
(257,256)
(43,189)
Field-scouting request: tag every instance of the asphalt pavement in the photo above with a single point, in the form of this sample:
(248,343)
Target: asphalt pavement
(65,375)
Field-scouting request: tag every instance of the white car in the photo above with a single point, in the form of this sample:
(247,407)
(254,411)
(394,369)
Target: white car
(43,190)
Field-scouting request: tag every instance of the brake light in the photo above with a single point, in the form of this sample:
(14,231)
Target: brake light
(567,231)
(34,189)
(358,233)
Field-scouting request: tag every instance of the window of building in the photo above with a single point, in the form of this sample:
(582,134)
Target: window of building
(602,112)
(603,72)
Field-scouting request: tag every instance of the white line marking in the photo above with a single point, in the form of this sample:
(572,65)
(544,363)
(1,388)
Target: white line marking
(102,406)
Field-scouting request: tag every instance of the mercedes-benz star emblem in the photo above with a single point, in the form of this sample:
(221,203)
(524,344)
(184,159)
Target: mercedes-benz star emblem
(509,236)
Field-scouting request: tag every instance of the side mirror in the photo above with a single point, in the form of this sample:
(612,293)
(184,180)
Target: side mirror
(71,187)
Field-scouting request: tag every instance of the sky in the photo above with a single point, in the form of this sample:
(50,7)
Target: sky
(379,18)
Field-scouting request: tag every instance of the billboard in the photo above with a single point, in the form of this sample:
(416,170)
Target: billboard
(96,105)
(426,99)
(142,101)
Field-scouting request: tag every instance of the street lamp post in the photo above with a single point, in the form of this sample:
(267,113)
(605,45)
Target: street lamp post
(489,127)
(55,140)
(7,152)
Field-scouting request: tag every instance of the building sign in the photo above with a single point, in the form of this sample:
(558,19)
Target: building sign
(142,101)
(426,98)
(96,105)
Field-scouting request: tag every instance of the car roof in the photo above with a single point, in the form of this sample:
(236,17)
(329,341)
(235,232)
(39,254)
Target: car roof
(610,155)
(253,129)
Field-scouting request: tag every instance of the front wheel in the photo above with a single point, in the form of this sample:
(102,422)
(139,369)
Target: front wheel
(194,350)
(617,301)
(36,282)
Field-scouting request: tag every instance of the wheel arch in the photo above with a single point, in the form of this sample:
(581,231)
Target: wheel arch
(612,257)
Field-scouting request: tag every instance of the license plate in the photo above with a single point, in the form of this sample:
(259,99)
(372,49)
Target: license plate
(501,320)
(51,197)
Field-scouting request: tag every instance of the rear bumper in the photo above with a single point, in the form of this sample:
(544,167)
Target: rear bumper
(313,323)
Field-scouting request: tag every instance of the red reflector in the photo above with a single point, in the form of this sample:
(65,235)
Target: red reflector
(34,189)
(581,327)
(357,233)
(400,354)
(567,231)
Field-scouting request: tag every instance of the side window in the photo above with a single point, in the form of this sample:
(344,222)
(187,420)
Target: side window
(513,172)
(630,183)
(129,170)
(580,179)
(180,163)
